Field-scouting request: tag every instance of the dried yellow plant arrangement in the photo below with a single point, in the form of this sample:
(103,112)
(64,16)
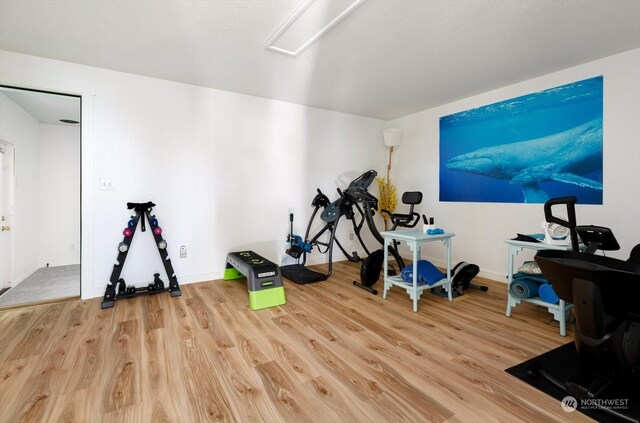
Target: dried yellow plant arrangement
(388,199)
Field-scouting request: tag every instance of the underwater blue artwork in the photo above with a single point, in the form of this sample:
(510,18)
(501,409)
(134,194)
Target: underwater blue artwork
(527,149)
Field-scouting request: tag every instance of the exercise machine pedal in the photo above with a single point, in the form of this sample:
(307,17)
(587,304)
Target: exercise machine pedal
(461,276)
(302,275)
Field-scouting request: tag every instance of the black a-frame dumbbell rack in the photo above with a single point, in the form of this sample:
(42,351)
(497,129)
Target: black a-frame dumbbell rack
(117,287)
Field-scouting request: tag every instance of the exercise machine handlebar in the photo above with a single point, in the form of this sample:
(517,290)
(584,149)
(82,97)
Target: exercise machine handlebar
(570,223)
(320,200)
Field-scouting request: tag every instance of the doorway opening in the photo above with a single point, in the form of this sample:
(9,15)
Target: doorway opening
(40,242)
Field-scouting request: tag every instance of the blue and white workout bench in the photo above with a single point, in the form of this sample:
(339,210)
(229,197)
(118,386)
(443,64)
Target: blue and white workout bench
(264,281)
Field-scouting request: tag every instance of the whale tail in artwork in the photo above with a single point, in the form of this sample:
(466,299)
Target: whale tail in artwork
(533,193)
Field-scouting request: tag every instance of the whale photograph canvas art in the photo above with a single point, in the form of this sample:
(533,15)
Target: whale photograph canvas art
(526,149)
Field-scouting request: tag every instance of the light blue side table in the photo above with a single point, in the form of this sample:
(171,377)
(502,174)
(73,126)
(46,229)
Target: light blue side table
(415,239)
(559,311)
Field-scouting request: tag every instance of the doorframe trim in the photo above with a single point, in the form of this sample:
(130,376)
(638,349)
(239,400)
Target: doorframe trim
(4,142)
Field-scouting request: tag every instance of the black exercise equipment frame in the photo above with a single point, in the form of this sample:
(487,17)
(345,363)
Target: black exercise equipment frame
(117,288)
(347,205)
(606,295)
(331,226)
(373,264)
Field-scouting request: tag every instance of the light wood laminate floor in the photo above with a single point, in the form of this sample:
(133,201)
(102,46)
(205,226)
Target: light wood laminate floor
(333,353)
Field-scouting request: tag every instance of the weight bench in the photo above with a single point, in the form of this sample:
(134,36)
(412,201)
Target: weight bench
(264,281)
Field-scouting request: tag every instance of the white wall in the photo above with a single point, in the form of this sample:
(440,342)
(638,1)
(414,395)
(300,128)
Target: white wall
(224,169)
(482,227)
(59,207)
(23,131)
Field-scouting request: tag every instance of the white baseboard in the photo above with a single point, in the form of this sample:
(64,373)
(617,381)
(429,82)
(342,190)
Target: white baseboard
(488,274)
(96,292)
(311,260)
(494,276)
(61,263)
(24,276)
(182,280)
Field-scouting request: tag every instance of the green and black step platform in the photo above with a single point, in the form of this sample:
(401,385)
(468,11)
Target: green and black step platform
(264,281)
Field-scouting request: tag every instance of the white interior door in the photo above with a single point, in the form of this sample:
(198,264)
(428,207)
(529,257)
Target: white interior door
(6,166)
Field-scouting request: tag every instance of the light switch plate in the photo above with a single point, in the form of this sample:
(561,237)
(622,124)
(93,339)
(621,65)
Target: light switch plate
(107,183)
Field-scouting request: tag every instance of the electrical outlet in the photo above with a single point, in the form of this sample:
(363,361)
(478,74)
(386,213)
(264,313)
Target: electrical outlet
(351,236)
(72,247)
(183,251)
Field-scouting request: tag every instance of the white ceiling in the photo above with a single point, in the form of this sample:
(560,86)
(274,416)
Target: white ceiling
(389,58)
(45,107)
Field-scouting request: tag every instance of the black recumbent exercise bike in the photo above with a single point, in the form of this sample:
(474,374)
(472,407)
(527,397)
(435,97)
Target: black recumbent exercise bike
(462,274)
(373,264)
(605,293)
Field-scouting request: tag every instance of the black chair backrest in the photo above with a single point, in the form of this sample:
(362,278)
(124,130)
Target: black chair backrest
(412,197)
(410,219)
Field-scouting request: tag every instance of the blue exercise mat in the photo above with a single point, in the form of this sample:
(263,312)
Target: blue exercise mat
(522,276)
(524,288)
(427,273)
(547,294)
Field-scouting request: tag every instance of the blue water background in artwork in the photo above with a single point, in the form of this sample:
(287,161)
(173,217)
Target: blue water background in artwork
(519,119)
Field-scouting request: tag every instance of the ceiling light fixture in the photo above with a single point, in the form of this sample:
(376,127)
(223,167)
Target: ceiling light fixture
(309,22)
